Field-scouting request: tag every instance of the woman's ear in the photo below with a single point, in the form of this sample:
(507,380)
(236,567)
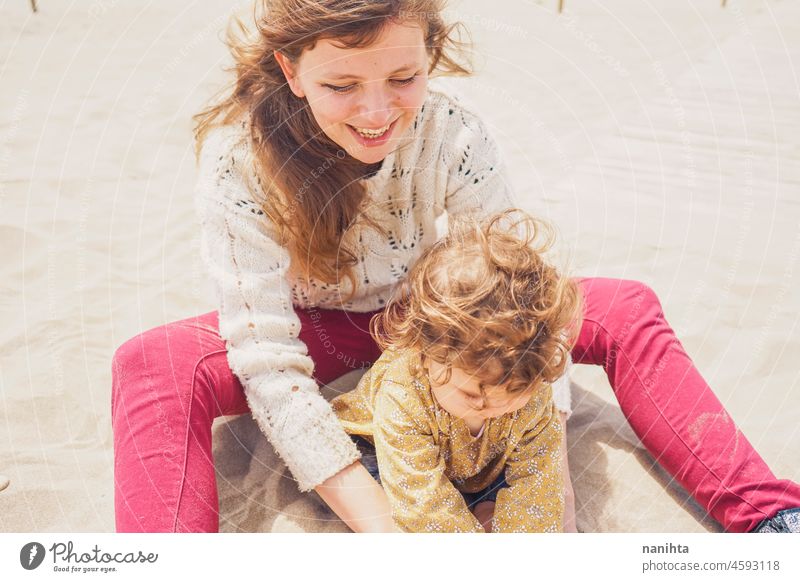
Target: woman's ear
(290,73)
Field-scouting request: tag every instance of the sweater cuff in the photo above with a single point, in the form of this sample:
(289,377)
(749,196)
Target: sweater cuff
(302,427)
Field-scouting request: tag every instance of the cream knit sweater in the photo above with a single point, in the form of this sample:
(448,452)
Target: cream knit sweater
(451,164)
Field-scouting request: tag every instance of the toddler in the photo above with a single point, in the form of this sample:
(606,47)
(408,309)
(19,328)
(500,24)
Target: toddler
(459,406)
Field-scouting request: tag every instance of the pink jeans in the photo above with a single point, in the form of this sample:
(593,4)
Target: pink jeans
(170,382)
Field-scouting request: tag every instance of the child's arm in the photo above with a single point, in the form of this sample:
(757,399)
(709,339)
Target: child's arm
(561,398)
(412,471)
(534,500)
(570,524)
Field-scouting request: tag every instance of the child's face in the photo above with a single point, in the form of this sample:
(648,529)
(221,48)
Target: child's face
(364,99)
(462,397)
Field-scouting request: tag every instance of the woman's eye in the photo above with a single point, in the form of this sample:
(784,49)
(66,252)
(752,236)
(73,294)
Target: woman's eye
(404,82)
(338,89)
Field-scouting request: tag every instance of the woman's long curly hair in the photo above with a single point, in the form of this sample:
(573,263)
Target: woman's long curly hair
(289,147)
(484,299)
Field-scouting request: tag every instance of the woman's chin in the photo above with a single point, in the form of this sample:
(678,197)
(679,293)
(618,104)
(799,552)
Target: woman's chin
(368,157)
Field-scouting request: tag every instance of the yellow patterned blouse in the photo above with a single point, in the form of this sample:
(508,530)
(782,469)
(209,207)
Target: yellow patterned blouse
(426,456)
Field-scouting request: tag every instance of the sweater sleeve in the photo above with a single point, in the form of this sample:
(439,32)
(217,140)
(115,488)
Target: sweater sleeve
(257,318)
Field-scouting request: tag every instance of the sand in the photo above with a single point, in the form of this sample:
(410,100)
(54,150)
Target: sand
(661,138)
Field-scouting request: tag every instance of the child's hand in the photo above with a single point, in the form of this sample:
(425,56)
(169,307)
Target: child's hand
(484,512)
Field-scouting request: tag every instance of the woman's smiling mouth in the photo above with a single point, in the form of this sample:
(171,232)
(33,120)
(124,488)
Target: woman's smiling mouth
(372,132)
(372,137)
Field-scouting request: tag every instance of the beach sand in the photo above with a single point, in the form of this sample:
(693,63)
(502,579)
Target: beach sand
(660,137)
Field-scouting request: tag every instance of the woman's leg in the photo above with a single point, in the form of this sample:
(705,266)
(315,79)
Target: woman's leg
(169,384)
(672,409)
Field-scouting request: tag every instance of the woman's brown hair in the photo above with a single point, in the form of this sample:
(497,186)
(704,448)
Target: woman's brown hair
(288,145)
(484,299)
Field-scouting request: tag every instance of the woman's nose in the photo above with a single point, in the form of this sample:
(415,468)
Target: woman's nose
(375,108)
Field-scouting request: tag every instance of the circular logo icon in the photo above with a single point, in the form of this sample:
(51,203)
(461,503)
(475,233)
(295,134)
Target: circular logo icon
(31,555)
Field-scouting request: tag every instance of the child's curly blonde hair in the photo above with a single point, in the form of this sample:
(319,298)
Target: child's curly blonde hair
(484,300)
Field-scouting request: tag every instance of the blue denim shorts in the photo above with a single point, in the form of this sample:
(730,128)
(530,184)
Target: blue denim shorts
(370,462)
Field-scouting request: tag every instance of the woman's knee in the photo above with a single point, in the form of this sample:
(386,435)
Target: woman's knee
(134,361)
(150,366)
(637,298)
(618,309)
(182,363)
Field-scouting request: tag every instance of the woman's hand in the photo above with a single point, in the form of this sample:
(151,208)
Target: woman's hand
(358,500)
(569,524)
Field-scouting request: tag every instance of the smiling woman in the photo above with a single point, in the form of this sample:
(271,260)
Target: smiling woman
(324,78)
(321,178)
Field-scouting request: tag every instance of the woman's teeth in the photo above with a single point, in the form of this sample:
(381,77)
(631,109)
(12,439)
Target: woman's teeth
(372,133)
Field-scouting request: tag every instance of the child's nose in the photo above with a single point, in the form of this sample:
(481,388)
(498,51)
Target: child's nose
(479,403)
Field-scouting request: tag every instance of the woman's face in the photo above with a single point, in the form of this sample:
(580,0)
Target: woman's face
(364,99)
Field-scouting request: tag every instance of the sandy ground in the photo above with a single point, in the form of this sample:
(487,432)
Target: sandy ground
(660,136)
